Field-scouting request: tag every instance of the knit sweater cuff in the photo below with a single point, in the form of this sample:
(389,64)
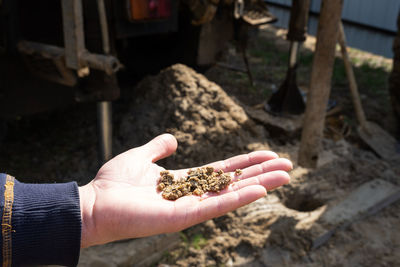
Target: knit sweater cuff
(46,224)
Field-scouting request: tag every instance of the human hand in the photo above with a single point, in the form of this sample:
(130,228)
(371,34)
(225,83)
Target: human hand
(122,200)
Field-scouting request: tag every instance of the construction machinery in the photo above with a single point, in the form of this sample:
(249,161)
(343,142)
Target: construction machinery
(54,52)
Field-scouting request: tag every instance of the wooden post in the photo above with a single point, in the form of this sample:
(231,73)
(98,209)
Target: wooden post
(320,82)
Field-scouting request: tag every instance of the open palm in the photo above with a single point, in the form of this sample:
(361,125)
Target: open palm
(122,201)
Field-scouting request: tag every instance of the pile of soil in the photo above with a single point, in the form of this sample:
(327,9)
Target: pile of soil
(208,124)
(211,125)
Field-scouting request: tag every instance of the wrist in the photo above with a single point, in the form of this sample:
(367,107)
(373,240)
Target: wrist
(87,198)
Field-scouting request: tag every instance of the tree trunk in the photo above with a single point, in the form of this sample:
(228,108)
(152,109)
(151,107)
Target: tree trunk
(320,83)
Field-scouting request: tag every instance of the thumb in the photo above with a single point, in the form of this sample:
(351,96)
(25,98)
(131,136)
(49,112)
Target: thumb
(160,147)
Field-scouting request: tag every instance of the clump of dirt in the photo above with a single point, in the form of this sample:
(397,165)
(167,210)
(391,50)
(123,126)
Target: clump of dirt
(229,238)
(208,124)
(197,182)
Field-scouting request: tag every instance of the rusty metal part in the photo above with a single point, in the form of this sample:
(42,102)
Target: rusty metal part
(46,51)
(238,9)
(74,38)
(104,109)
(103,26)
(35,57)
(208,15)
(104,123)
(106,63)
(256,13)
(202,11)
(76,55)
(213,37)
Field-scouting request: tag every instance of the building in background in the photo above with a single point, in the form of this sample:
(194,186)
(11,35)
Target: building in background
(370,25)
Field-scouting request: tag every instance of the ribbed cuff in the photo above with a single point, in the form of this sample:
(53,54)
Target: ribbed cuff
(46,224)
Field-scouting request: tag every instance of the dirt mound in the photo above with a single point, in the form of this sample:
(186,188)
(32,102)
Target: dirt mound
(208,124)
(211,125)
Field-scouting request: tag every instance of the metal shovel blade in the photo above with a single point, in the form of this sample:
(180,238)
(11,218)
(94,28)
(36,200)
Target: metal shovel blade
(288,99)
(376,138)
(379,140)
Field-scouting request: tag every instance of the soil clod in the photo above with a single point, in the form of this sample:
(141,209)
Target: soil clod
(197,182)
(238,172)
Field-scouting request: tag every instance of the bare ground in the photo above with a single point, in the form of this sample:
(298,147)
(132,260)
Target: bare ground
(207,115)
(278,230)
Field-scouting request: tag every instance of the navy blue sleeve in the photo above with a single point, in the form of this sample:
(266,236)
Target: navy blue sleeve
(41,223)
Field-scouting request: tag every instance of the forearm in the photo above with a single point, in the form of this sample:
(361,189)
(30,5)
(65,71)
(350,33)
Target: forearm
(44,223)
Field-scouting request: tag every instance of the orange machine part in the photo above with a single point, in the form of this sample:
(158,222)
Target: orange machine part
(139,9)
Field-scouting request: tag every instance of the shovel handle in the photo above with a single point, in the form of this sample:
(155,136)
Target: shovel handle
(294,48)
(352,80)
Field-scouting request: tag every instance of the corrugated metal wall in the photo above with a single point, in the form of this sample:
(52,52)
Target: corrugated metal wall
(381,14)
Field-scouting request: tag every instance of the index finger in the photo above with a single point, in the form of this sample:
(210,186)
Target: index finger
(243,161)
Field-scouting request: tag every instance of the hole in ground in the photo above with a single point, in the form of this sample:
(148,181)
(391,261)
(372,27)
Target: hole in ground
(302,201)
